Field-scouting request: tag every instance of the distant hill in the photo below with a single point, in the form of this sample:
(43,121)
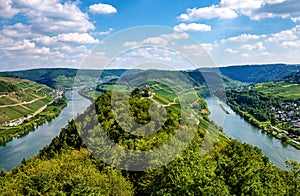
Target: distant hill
(259,73)
(293,78)
(63,77)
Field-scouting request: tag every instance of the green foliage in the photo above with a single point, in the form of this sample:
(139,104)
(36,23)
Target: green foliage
(259,73)
(72,172)
(66,167)
(7,87)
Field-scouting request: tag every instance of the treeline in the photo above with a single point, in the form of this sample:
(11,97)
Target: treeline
(67,167)
(7,87)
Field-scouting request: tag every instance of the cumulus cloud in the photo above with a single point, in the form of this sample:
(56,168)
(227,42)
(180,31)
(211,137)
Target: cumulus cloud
(50,16)
(282,8)
(84,38)
(254,9)
(6,9)
(286,35)
(103,32)
(208,13)
(102,8)
(192,27)
(21,45)
(230,50)
(292,44)
(242,38)
(258,46)
(161,40)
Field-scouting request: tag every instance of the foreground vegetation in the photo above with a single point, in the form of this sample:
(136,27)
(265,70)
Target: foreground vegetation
(67,167)
(24,105)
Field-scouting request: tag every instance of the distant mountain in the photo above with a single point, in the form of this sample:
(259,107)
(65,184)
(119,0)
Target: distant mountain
(259,73)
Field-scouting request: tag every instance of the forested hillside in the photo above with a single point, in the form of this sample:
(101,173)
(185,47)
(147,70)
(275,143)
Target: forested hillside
(67,167)
(259,73)
(63,77)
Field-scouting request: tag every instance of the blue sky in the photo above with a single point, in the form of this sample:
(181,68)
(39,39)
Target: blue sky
(58,33)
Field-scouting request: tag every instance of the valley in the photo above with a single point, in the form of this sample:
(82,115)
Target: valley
(169,94)
(24,105)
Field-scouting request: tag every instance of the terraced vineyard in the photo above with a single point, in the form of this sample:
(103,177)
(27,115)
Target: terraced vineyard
(25,104)
(25,98)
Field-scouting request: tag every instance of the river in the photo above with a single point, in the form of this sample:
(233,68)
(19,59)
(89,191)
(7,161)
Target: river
(234,127)
(28,146)
(237,128)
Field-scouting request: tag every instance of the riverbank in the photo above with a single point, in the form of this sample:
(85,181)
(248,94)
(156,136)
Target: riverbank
(236,127)
(45,114)
(29,145)
(224,109)
(268,128)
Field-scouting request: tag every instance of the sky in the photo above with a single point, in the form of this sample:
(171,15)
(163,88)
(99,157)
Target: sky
(59,33)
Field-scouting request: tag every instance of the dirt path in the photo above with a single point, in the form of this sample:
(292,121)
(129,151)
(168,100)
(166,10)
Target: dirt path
(22,103)
(41,109)
(163,105)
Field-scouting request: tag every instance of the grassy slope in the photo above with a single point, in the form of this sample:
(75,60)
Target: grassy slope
(20,98)
(27,99)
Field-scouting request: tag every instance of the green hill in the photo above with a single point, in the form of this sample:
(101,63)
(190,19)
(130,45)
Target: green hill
(63,77)
(20,97)
(259,73)
(67,167)
(25,104)
(293,78)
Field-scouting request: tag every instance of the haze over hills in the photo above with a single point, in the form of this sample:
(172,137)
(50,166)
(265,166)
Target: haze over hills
(259,73)
(64,77)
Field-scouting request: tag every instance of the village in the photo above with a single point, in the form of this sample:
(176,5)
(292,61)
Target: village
(56,94)
(288,112)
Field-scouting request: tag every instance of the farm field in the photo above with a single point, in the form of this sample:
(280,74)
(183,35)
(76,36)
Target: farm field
(279,89)
(20,98)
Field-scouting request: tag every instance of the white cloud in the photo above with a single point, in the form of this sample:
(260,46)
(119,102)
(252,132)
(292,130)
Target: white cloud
(192,27)
(148,41)
(103,32)
(102,8)
(199,49)
(18,30)
(254,9)
(242,38)
(285,35)
(292,44)
(176,35)
(83,38)
(78,38)
(52,16)
(258,46)
(230,50)
(161,40)
(21,45)
(6,9)
(295,19)
(208,13)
